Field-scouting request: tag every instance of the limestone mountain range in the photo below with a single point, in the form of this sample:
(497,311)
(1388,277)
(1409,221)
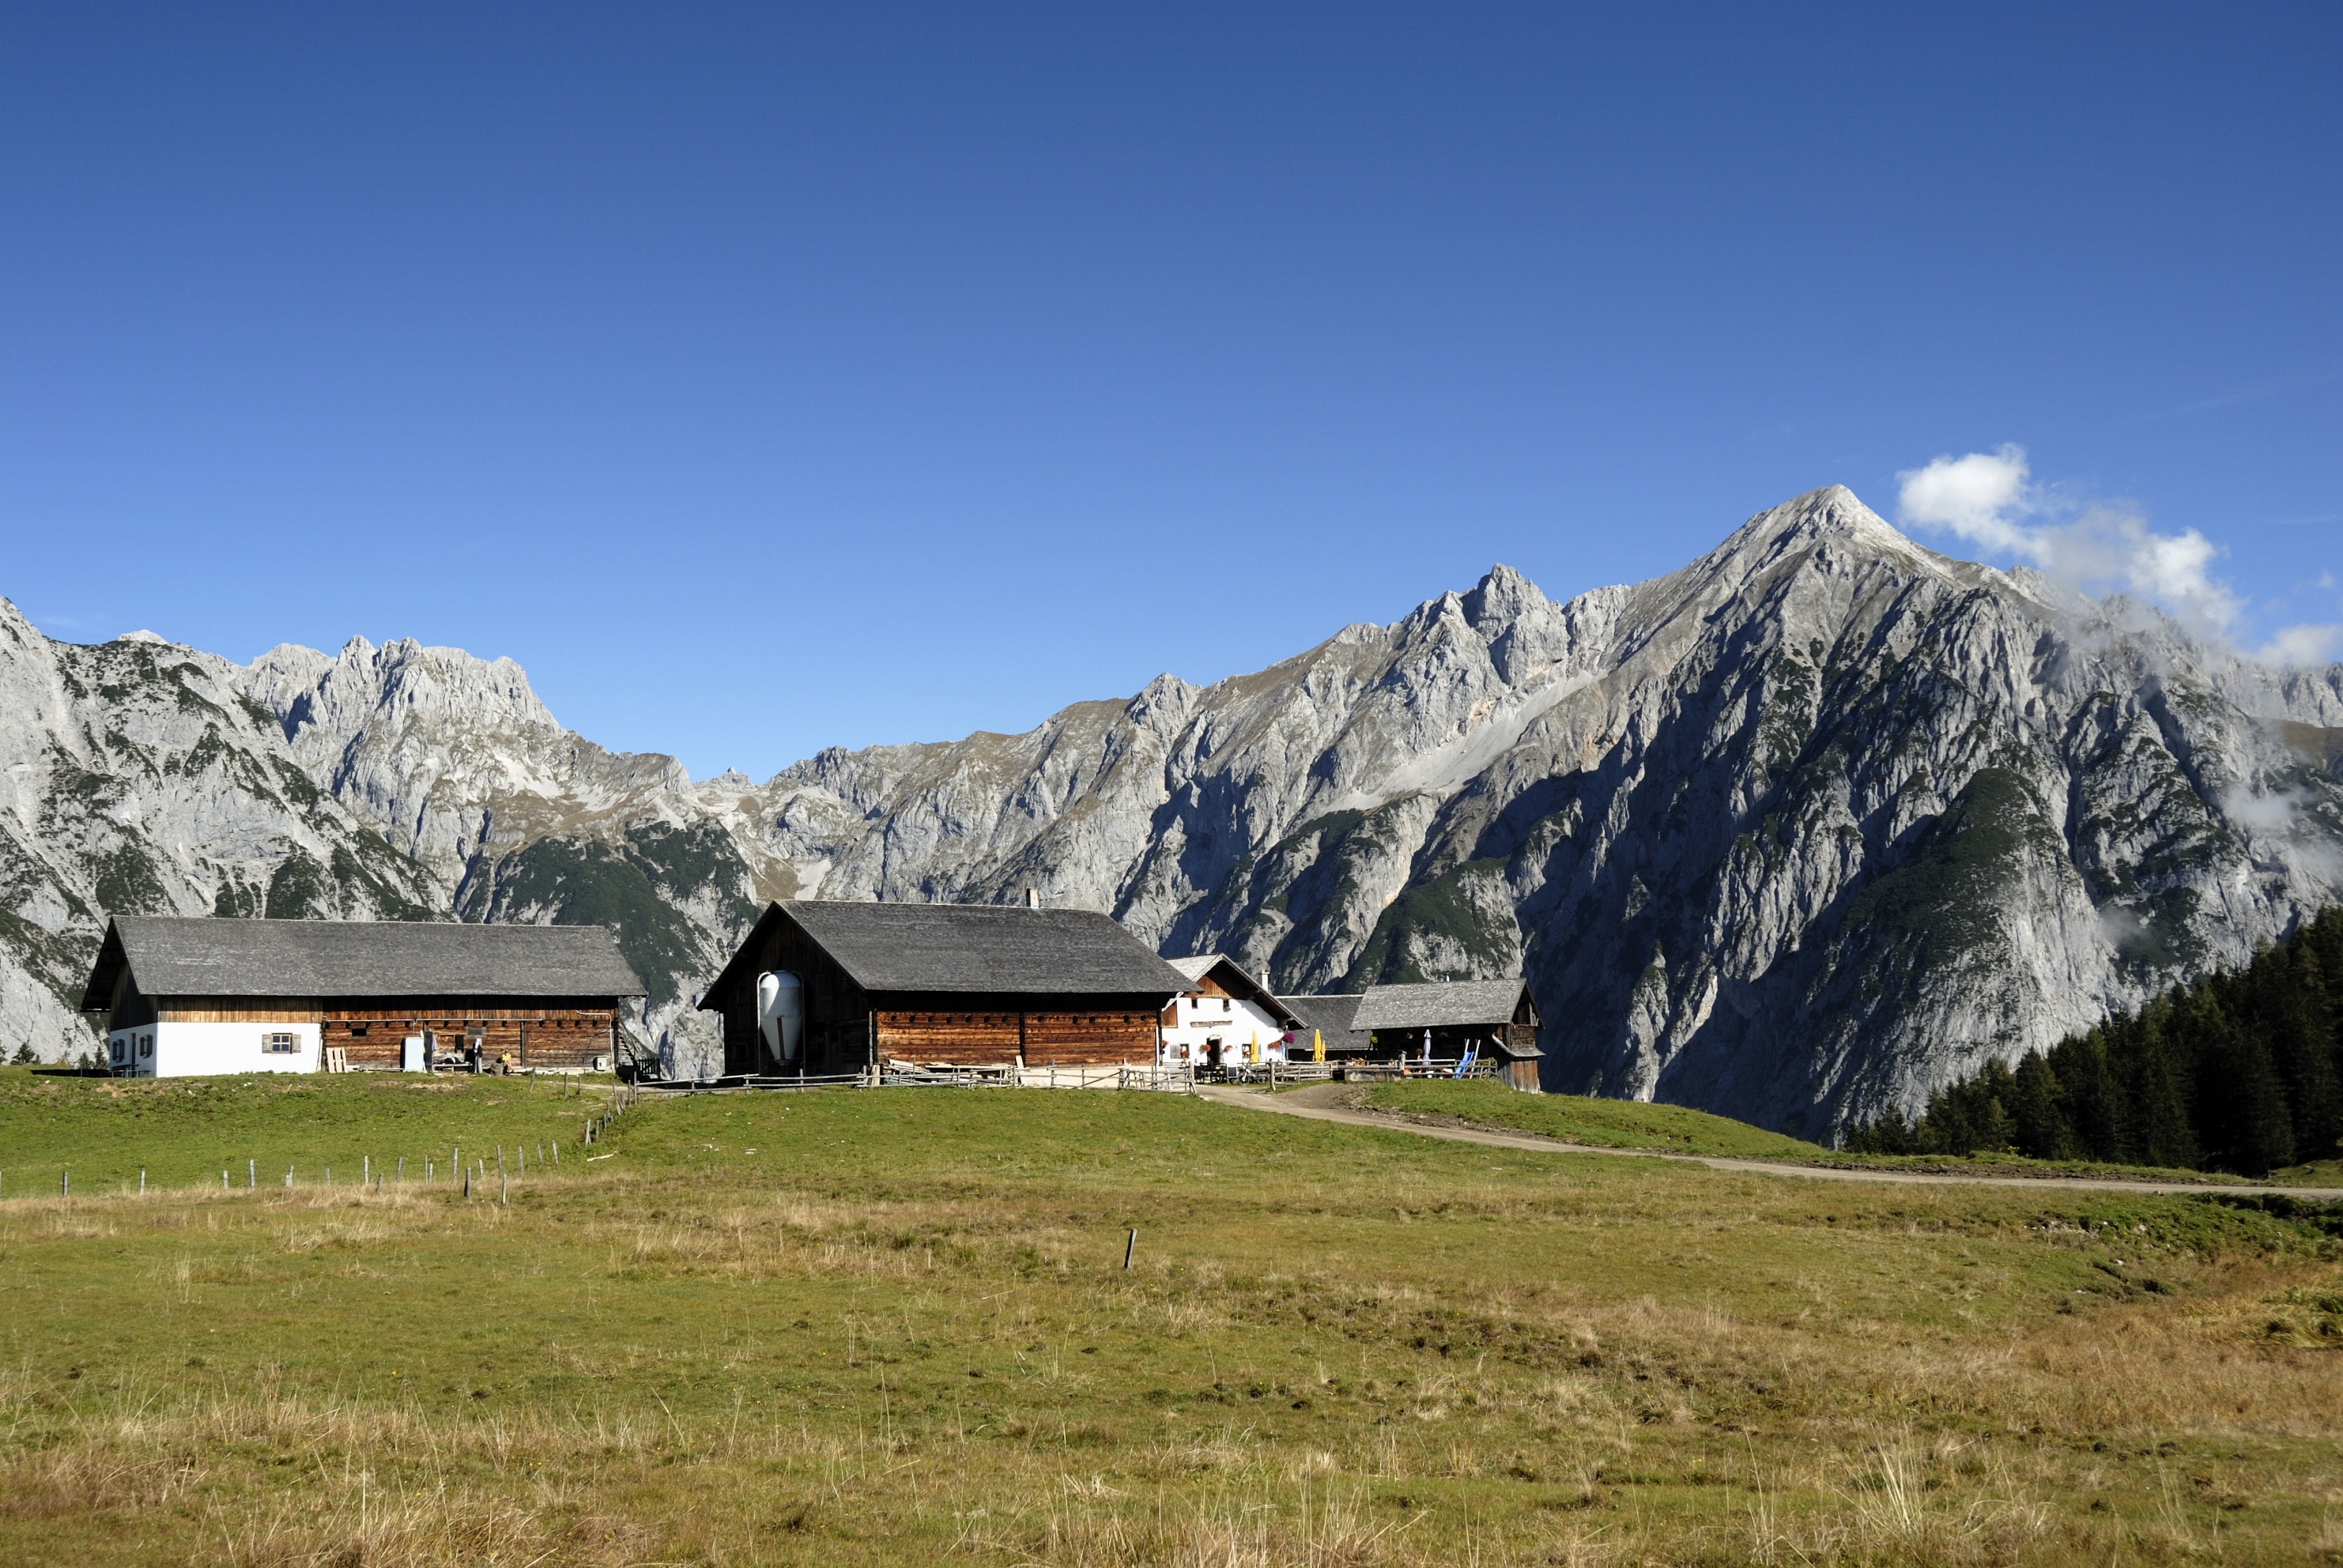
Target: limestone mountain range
(1795,833)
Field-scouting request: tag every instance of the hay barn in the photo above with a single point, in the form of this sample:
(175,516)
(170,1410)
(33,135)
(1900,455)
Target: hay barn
(941,984)
(185,998)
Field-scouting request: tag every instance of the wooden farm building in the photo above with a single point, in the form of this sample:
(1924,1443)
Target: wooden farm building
(936,984)
(1497,1016)
(188,997)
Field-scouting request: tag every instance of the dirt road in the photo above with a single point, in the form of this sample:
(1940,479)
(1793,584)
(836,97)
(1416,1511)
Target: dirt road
(1332,1103)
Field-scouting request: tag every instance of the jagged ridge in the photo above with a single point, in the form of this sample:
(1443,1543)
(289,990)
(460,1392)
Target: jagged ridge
(1808,828)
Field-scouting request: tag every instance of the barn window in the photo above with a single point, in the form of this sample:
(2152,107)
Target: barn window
(280,1044)
(118,1050)
(357,1031)
(145,1046)
(1224,1004)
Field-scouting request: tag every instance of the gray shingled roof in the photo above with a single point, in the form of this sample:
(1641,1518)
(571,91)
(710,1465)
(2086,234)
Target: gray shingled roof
(1246,987)
(989,947)
(1332,1016)
(1439,1004)
(358,958)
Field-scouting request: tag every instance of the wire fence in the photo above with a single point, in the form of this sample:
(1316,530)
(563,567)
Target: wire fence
(489,1171)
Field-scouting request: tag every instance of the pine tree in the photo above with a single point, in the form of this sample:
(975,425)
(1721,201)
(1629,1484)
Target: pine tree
(2090,1099)
(1992,1128)
(2159,1085)
(2041,1127)
(2241,1070)
(2263,1134)
(2302,1047)
(1890,1134)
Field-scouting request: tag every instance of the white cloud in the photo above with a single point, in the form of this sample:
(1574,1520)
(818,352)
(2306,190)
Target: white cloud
(1990,499)
(1975,496)
(2301,645)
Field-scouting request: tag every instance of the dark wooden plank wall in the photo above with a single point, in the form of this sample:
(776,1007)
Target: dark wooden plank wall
(131,1009)
(962,1036)
(562,1038)
(1087,1039)
(982,1031)
(838,1014)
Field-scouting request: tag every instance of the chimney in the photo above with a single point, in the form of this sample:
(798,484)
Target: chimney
(1033,898)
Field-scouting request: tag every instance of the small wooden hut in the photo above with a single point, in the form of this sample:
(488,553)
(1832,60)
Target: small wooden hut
(1497,1016)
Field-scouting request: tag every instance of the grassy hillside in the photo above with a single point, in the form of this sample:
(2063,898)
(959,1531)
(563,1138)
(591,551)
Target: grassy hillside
(860,1327)
(1674,1129)
(185,1131)
(1604,1123)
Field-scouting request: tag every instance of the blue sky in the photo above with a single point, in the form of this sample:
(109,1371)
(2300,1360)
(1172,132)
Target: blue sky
(767,379)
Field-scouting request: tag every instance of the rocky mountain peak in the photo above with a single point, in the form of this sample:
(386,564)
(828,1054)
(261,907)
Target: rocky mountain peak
(1833,517)
(1503,595)
(1797,832)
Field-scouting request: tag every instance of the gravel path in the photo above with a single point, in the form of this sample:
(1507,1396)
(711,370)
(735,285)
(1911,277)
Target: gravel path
(1332,1102)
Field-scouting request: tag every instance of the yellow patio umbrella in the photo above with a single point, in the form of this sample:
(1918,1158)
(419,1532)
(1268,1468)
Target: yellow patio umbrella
(1317,1046)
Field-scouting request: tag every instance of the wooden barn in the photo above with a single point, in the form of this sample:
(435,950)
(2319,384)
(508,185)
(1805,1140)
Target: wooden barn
(938,984)
(190,997)
(1451,1017)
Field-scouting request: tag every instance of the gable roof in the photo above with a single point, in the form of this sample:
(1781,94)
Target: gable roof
(993,949)
(1234,980)
(1439,1004)
(170,956)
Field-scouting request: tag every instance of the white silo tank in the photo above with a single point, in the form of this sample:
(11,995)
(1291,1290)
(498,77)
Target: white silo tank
(780,1015)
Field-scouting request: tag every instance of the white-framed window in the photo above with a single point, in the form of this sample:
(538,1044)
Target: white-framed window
(280,1044)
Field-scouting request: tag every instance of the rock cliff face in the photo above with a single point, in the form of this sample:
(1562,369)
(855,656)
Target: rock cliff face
(1795,833)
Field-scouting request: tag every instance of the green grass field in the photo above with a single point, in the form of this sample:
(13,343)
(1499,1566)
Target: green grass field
(184,1132)
(1604,1123)
(883,1327)
(1674,1129)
